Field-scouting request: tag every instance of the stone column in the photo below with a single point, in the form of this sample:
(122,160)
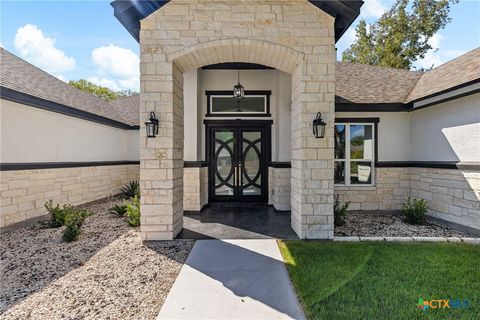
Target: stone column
(313,90)
(161,166)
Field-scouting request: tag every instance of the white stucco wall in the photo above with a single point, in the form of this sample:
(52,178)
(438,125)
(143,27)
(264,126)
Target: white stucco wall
(393,133)
(278,82)
(448,131)
(33,135)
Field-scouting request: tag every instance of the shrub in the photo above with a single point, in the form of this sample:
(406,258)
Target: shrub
(57,214)
(131,189)
(415,210)
(73,224)
(133,212)
(340,212)
(118,209)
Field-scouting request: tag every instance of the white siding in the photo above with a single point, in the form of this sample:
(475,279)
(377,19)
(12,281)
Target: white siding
(33,135)
(448,131)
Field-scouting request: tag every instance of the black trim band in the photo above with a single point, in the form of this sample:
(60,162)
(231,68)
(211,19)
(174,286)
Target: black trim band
(56,165)
(460,86)
(236,66)
(429,164)
(195,164)
(458,96)
(355,120)
(280,164)
(371,107)
(36,102)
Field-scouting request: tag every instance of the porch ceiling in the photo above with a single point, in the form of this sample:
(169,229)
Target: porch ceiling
(130,12)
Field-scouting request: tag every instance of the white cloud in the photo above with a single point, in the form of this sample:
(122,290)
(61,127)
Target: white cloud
(372,9)
(105,83)
(116,61)
(118,67)
(432,57)
(41,51)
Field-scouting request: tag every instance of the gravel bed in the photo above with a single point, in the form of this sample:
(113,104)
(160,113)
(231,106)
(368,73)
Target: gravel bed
(107,274)
(391,225)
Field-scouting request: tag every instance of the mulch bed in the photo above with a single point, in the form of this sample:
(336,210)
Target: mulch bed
(391,225)
(108,273)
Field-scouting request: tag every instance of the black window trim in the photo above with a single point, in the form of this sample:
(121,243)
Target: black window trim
(266,93)
(375,122)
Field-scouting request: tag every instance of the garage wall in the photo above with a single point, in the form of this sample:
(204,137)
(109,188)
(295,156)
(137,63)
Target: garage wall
(448,131)
(33,135)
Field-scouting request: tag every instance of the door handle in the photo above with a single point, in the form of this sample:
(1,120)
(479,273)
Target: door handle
(235,178)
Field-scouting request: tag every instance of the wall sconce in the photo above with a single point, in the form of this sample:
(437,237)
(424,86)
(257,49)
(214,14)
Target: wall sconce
(319,126)
(152,126)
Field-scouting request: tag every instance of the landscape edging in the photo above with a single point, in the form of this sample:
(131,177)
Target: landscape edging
(408,239)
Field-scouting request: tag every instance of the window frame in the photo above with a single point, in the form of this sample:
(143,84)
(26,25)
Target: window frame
(229,93)
(348,122)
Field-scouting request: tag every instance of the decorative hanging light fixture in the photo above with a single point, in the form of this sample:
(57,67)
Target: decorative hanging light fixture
(152,126)
(319,126)
(238,90)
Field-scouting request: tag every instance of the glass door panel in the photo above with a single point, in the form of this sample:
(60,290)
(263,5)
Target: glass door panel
(224,163)
(251,163)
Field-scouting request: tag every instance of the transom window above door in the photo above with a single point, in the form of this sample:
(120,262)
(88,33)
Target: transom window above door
(355,152)
(254,104)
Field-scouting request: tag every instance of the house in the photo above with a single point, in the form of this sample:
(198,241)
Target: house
(389,134)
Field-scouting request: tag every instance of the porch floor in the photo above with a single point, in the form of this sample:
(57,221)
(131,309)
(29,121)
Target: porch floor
(237,222)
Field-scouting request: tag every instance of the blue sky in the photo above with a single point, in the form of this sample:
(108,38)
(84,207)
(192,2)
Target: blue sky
(82,39)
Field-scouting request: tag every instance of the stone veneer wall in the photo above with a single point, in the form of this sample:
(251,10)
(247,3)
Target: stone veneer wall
(390,190)
(195,188)
(24,192)
(452,195)
(292,36)
(279,188)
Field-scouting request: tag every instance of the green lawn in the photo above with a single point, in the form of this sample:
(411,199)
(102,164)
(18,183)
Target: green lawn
(338,280)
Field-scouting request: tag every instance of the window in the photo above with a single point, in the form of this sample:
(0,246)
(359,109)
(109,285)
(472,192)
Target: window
(222,104)
(354,153)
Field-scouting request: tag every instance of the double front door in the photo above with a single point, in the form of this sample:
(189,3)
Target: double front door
(238,161)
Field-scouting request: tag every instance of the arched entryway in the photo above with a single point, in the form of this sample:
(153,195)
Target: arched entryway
(167,55)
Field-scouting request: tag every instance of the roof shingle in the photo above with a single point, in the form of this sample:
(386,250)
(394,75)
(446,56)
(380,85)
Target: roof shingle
(21,76)
(458,71)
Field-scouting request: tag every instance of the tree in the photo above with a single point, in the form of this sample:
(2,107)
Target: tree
(99,91)
(399,37)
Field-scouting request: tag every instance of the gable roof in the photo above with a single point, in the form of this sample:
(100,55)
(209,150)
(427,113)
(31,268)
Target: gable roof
(128,107)
(130,12)
(20,76)
(366,84)
(457,72)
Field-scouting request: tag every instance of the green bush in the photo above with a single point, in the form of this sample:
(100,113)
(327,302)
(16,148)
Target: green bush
(57,214)
(415,210)
(118,209)
(73,224)
(340,212)
(133,212)
(131,189)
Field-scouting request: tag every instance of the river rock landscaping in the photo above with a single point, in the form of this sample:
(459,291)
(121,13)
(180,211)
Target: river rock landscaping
(391,225)
(107,273)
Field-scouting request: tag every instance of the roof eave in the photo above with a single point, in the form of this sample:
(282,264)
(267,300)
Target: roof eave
(130,12)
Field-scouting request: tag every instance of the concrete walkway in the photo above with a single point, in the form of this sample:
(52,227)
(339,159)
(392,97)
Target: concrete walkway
(233,279)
